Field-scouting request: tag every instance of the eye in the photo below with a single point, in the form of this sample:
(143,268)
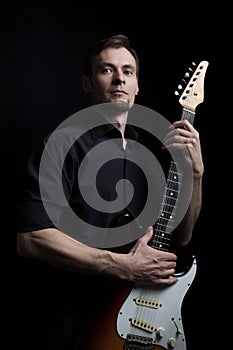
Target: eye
(106,70)
(128,72)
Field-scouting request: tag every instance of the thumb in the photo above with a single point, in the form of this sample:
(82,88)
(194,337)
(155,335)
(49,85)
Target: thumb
(147,235)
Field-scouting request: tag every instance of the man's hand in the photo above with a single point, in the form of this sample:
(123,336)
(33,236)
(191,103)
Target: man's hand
(147,265)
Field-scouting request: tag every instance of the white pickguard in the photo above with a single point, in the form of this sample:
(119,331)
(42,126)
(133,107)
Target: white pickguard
(166,318)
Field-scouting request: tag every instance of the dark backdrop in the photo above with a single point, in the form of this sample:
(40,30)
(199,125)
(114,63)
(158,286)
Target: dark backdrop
(41,60)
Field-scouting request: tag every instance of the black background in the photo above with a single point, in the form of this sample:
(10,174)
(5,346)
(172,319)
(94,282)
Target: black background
(42,47)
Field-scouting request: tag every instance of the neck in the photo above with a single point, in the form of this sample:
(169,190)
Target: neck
(119,121)
(115,113)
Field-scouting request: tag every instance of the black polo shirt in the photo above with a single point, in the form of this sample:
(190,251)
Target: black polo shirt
(78,183)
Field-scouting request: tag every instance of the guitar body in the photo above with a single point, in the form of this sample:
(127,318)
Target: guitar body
(145,313)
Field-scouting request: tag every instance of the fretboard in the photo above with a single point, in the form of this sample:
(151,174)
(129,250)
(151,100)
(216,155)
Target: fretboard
(165,223)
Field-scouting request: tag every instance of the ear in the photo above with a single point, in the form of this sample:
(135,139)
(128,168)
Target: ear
(137,90)
(86,84)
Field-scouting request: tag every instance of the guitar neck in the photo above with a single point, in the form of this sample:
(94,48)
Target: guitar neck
(188,115)
(164,225)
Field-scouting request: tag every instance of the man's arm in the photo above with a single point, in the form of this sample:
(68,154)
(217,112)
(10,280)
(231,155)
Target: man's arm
(142,264)
(186,136)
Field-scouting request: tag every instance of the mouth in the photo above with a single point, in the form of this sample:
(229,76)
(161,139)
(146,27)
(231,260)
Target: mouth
(118,92)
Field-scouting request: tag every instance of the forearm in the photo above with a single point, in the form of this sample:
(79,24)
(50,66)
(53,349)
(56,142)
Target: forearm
(56,248)
(184,230)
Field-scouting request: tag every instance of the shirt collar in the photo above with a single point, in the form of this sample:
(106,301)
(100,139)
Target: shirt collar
(110,129)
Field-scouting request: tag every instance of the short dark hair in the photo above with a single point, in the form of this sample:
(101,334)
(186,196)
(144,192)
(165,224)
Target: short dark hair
(114,41)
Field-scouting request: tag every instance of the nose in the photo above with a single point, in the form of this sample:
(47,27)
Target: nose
(118,77)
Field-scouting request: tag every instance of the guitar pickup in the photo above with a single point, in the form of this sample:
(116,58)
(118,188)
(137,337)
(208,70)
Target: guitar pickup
(147,302)
(146,326)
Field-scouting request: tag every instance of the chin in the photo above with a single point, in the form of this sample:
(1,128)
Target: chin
(114,107)
(119,106)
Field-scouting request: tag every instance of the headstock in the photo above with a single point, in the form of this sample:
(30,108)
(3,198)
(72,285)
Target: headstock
(193,93)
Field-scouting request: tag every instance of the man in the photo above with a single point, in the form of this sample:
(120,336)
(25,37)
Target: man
(111,78)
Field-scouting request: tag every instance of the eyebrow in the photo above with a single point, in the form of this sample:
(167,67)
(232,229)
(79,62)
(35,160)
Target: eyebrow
(104,64)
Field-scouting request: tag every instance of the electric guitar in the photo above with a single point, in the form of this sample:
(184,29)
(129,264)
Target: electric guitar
(145,317)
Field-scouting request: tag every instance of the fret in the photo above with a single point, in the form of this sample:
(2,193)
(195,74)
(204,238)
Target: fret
(173,185)
(171,204)
(164,234)
(188,115)
(164,222)
(162,247)
(166,215)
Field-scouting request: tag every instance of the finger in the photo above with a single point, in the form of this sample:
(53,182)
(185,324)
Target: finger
(181,132)
(177,136)
(168,273)
(166,281)
(184,124)
(178,142)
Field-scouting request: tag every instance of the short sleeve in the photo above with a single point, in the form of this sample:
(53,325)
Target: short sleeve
(36,211)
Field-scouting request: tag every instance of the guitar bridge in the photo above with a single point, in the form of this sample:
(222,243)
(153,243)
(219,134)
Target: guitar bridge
(136,342)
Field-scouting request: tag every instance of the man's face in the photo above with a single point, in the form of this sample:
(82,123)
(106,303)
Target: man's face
(113,77)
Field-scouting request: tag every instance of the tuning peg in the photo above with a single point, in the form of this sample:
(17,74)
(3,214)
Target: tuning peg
(187,75)
(184,81)
(194,65)
(179,87)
